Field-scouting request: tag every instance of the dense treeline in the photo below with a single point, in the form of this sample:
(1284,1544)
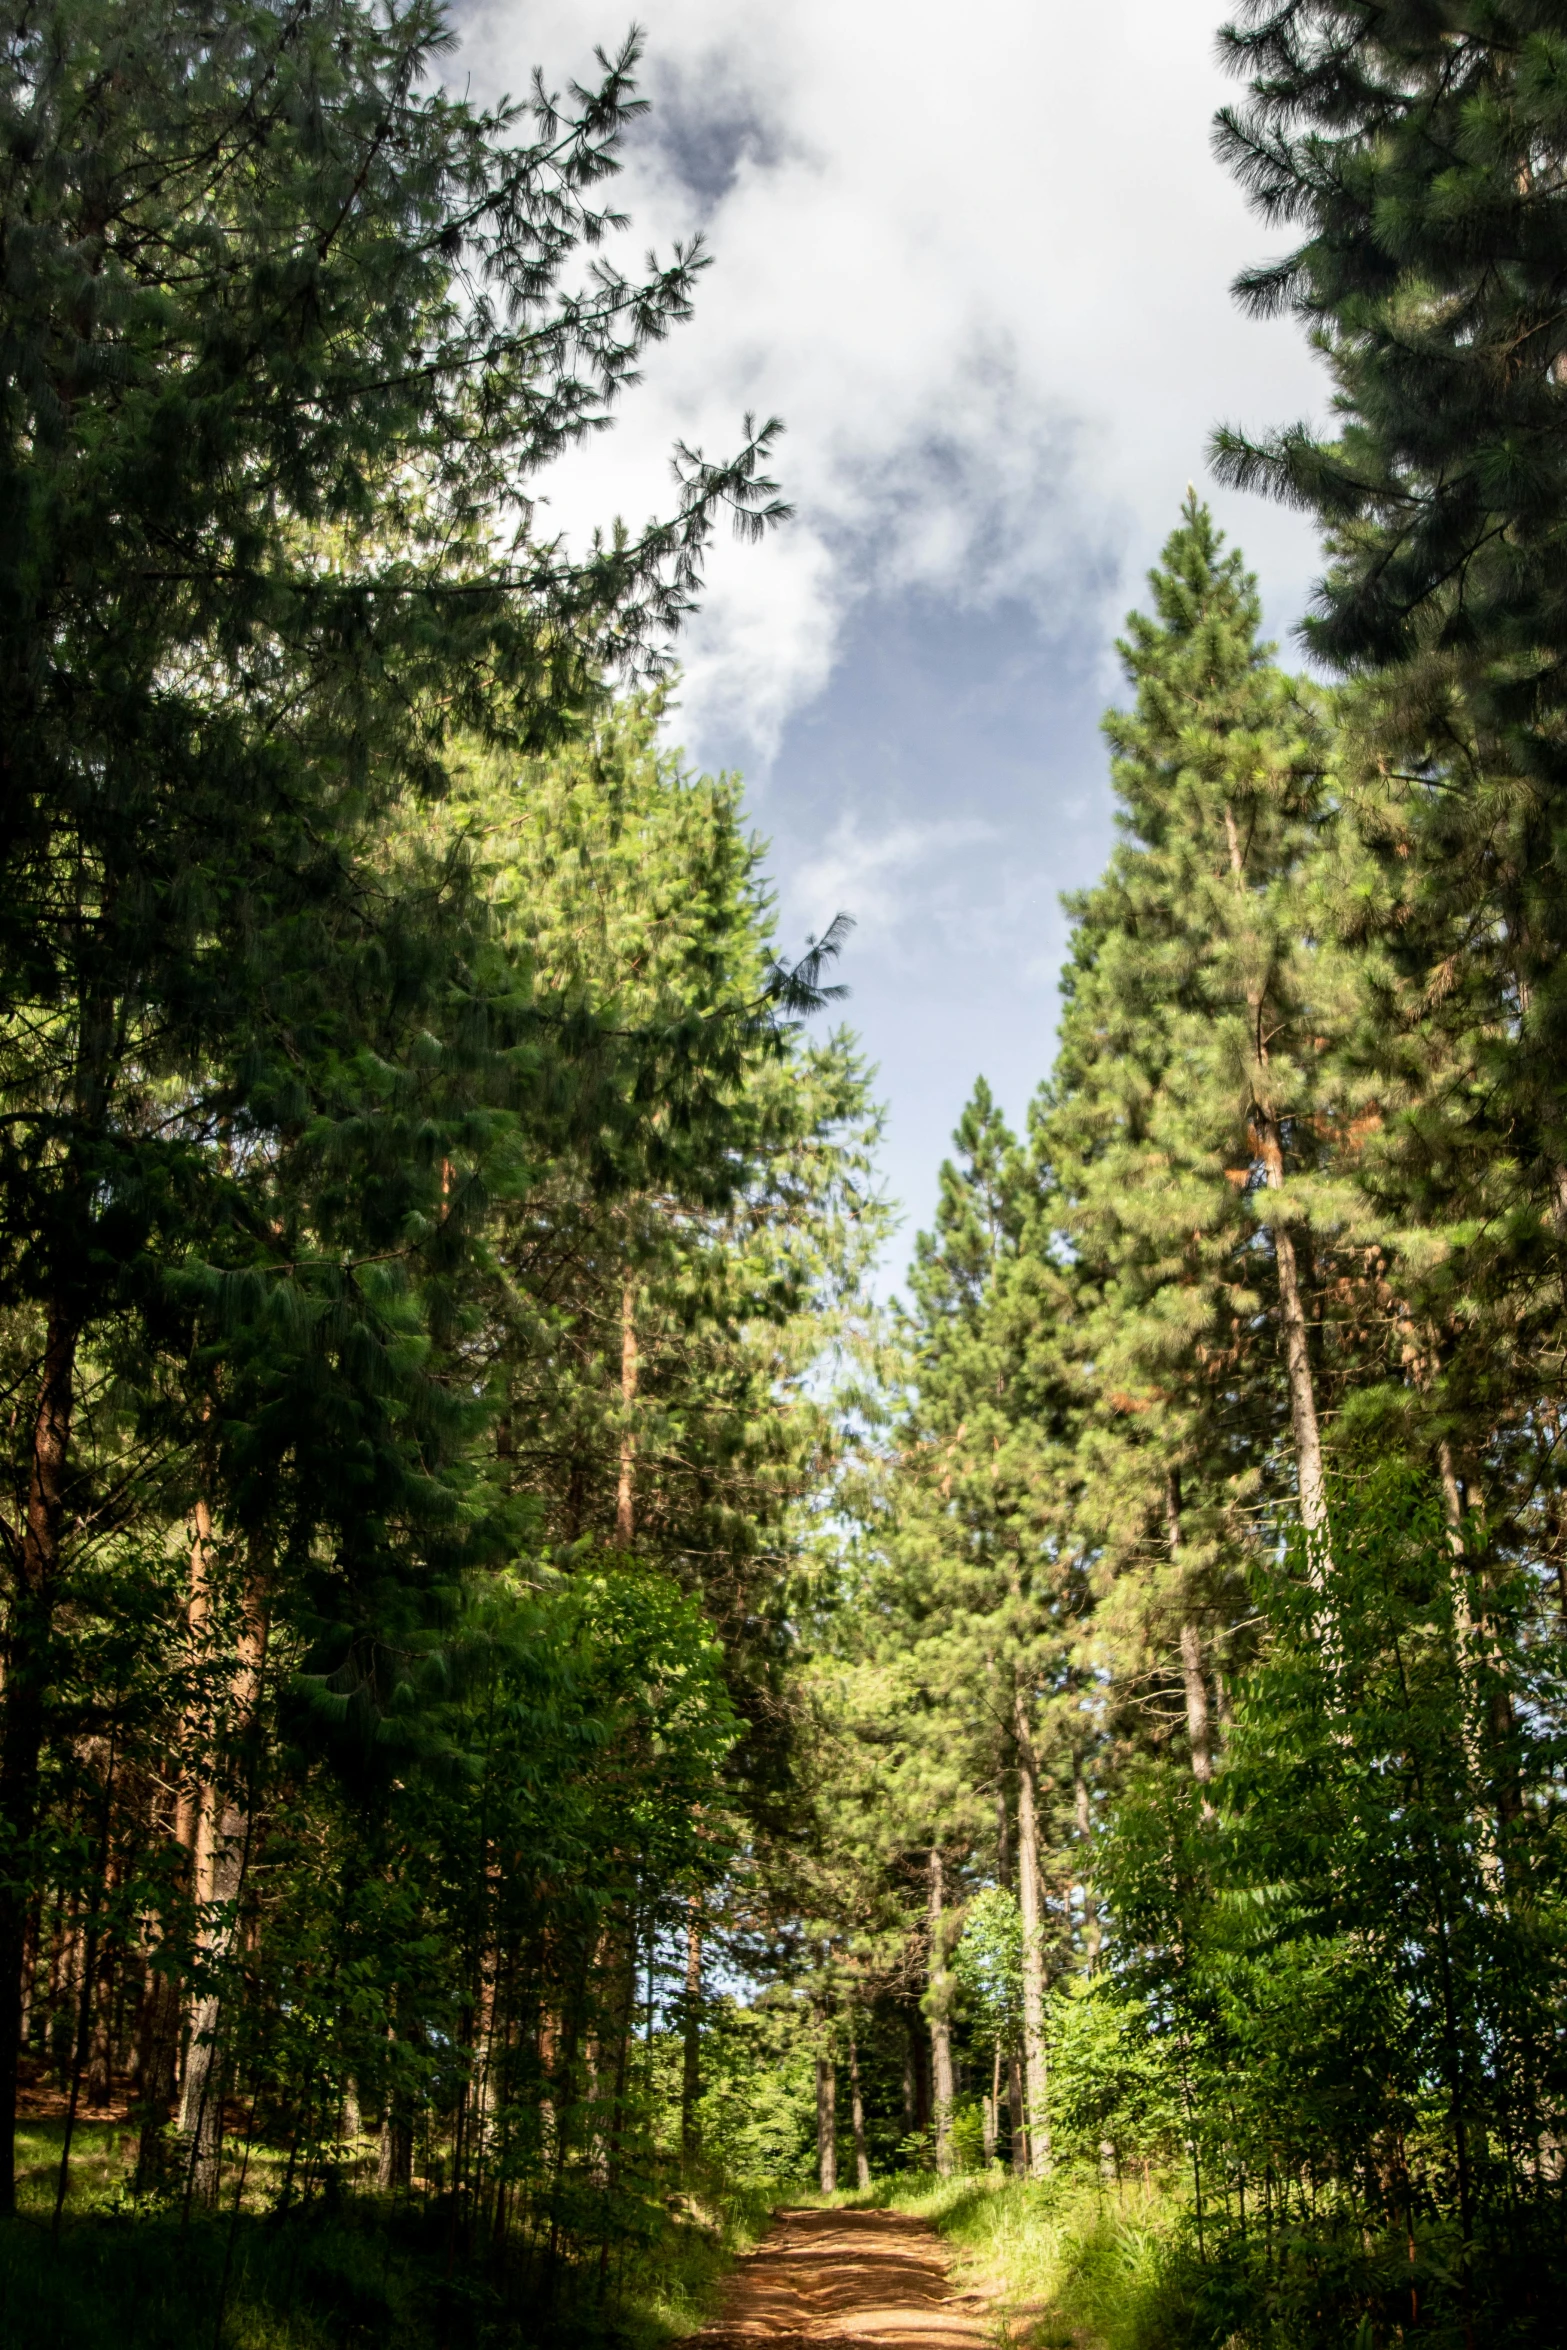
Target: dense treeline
(424,1212)
(1191,1700)
(478,1582)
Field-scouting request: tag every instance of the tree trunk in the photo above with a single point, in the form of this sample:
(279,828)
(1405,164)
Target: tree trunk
(201,2099)
(394,2167)
(1035,2071)
(100,2047)
(1084,1821)
(30,1942)
(1017,2135)
(624,2025)
(862,2163)
(1468,1638)
(27,1678)
(826,2122)
(1198,1735)
(1297,1364)
(223,1849)
(158,2035)
(917,2075)
(1297,1352)
(939,2003)
(691,2035)
(193,1807)
(1197,1732)
(625,1498)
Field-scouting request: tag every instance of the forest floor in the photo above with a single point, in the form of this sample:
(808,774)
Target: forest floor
(875,2279)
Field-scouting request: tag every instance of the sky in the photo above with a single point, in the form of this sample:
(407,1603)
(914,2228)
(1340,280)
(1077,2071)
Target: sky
(978,261)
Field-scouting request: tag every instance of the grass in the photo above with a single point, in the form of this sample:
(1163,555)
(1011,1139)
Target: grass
(101,2155)
(1073,2264)
(676,2289)
(1069,2263)
(338,2271)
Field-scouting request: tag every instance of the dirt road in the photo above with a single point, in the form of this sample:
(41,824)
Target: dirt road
(871,2278)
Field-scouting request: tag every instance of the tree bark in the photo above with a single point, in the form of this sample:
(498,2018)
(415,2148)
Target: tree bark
(826,2121)
(939,2001)
(1198,1735)
(1017,2134)
(223,1850)
(201,2099)
(28,1671)
(1468,1638)
(1035,2068)
(1311,1483)
(862,2163)
(691,2035)
(625,1497)
(1292,1316)
(158,2035)
(1083,1820)
(193,1809)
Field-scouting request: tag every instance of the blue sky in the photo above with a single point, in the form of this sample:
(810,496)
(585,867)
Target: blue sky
(979,261)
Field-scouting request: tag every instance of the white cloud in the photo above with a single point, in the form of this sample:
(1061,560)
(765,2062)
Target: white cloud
(880,877)
(978,260)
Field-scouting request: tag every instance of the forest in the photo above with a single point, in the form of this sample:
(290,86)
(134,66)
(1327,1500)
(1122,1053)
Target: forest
(540,1720)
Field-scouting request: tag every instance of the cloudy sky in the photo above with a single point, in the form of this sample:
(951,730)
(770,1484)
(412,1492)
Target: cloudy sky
(978,259)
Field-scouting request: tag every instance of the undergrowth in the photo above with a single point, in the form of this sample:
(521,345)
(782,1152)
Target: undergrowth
(341,2270)
(1067,2261)
(1075,2263)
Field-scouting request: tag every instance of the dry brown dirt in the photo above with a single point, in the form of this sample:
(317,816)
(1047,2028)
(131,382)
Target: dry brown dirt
(876,2280)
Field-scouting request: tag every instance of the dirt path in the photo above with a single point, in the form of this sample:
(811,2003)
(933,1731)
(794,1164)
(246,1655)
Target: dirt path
(876,2278)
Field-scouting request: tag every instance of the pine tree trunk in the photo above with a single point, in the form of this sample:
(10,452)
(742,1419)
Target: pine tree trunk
(394,2168)
(223,1846)
(1307,1431)
(1036,2076)
(939,1997)
(201,2099)
(1084,1822)
(826,2122)
(1017,2143)
(27,1679)
(158,2035)
(1292,1314)
(30,1942)
(395,2150)
(192,1816)
(862,2162)
(691,2035)
(100,2048)
(625,2023)
(1197,1731)
(625,1498)
(1467,1637)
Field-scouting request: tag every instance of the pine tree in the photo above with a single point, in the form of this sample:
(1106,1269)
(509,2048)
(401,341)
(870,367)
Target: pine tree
(1186,1113)
(985,1592)
(293,334)
(1421,152)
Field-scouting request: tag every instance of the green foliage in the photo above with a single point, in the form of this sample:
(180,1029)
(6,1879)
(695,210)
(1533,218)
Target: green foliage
(1216,1554)
(988,1963)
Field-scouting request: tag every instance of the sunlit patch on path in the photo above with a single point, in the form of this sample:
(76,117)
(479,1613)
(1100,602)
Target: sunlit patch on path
(847,2277)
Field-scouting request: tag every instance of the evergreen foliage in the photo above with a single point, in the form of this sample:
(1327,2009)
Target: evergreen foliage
(529,1706)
